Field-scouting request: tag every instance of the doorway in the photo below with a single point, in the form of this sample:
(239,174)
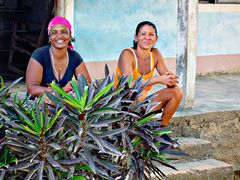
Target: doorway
(11,11)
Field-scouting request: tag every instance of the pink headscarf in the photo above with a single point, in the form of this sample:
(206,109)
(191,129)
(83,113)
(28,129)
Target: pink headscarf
(60,20)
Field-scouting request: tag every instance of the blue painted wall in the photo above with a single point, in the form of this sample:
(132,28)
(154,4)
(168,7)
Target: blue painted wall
(218,33)
(104,27)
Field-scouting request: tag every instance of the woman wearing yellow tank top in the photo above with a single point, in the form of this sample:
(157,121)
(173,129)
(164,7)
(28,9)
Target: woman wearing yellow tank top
(143,59)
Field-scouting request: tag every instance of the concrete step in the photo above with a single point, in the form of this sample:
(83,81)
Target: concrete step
(221,128)
(209,169)
(195,148)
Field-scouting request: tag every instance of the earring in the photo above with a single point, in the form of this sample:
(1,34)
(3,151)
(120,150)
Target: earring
(49,41)
(135,42)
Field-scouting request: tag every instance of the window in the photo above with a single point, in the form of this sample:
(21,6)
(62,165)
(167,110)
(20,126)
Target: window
(207,1)
(1,2)
(220,1)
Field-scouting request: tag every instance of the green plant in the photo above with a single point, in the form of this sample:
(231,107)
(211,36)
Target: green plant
(34,139)
(93,114)
(111,121)
(6,159)
(144,137)
(4,96)
(96,131)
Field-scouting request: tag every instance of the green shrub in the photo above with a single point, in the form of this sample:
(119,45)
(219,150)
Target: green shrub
(96,131)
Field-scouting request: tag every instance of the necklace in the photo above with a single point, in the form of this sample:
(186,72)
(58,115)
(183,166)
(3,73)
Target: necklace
(58,74)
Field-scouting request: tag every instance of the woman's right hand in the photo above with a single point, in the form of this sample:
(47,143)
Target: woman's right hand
(165,79)
(172,79)
(68,87)
(169,79)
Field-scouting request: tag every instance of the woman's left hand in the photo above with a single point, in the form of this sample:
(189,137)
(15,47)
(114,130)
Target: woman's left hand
(172,79)
(68,87)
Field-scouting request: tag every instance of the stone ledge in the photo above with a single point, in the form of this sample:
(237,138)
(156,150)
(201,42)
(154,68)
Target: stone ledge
(199,170)
(196,148)
(221,128)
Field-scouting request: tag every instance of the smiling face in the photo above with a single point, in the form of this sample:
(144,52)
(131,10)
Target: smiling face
(146,37)
(59,36)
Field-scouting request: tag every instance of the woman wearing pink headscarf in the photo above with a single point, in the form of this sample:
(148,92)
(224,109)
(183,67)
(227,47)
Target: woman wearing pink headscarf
(55,62)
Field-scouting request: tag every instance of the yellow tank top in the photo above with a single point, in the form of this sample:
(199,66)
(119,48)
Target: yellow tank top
(136,74)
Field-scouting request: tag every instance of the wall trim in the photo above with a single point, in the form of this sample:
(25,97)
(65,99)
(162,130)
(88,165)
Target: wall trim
(219,8)
(212,64)
(69,13)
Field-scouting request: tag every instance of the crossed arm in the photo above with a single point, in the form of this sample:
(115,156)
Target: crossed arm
(165,76)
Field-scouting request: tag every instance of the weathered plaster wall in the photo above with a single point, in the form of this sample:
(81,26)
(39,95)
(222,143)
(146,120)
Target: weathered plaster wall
(103,28)
(218,32)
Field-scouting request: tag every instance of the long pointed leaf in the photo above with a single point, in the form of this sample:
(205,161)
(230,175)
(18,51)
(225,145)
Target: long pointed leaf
(123,80)
(22,166)
(146,138)
(2,173)
(164,163)
(11,85)
(106,122)
(141,121)
(21,129)
(106,70)
(100,94)
(91,92)
(110,147)
(40,170)
(55,146)
(76,90)
(105,110)
(70,139)
(39,122)
(55,164)
(84,98)
(103,84)
(114,103)
(63,93)
(30,130)
(102,172)
(113,93)
(89,157)
(81,83)
(97,141)
(26,119)
(113,132)
(52,121)
(35,120)
(72,161)
(50,173)
(21,145)
(108,164)
(72,104)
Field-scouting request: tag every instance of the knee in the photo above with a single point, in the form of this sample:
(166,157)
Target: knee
(177,93)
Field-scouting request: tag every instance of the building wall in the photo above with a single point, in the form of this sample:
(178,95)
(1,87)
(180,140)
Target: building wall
(219,29)
(103,28)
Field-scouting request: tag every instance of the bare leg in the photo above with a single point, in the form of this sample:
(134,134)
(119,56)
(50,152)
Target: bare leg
(170,99)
